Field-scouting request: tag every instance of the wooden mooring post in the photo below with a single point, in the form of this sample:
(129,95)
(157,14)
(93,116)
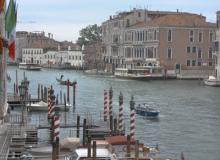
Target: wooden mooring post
(136,149)
(78,126)
(84,132)
(89,147)
(94,150)
(128,145)
(115,126)
(38,92)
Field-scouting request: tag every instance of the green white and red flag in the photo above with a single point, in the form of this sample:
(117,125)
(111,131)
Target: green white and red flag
(10,27)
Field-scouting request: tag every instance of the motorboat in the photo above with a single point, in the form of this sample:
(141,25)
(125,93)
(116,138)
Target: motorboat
(30,66)
(140,73)
(101,153)
(212,81)
(42,106)
(144,110)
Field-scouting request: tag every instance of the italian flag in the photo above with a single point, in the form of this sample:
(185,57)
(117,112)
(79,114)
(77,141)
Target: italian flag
(10,25)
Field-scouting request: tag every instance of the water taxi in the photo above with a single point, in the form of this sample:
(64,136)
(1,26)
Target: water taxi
(140,73)
(145,110)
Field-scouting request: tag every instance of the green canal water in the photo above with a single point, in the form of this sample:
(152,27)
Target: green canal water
(189,120)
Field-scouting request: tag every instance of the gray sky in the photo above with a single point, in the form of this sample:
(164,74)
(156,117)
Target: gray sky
(64,18)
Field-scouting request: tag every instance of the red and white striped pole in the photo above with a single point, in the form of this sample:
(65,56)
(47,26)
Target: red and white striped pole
(105,105)
(110,101)
(120,121)
(48,102)
(132,118)
(56,127)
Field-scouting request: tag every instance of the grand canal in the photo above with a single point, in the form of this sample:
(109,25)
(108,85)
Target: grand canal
(190,112)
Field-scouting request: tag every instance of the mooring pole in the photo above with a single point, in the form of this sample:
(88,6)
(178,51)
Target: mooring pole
(120,123)
(84,132)
(110,101)
(132,118)
(68,91)
(105,105)
(17,81)
(74,93)
(78,126)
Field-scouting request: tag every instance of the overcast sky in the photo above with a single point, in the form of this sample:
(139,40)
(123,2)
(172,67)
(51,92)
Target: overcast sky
(64,18)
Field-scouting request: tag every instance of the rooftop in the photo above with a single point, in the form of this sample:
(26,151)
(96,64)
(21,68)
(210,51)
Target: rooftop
(177,19)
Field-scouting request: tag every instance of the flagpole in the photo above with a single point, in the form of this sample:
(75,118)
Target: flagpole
(3,70)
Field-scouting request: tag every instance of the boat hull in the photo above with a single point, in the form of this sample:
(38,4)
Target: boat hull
(141,78)
(66,82)
(29,66)
(147,114)
(214,83)
(59,107)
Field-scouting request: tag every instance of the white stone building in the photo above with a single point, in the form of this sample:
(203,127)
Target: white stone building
(32,55)
(74,58)
(37,56)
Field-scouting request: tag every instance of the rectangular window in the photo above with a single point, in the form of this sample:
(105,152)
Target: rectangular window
(146,38)
(194,49)
(188,49)
(169,38)
(188,62)
(128,23)
(199,55)
(210,63)
(210,53)
(200,36)
(199,63)
(193,62)
(191,36)
(169,53)
(210,36)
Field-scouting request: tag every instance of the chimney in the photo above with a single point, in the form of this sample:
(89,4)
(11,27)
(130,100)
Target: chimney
(69,48)
(58,47)
(110,17)
(49,35)
(177,10)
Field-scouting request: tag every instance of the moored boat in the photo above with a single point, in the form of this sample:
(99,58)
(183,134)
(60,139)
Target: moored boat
(42,106)
(101,153)
(140,73)
(30,66)
(145,110)
(212,81)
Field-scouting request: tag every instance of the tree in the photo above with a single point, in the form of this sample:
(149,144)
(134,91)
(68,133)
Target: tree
(90,34)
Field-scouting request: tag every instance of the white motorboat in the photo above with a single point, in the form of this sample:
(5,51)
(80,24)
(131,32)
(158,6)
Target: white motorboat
(42,106)
(212,81)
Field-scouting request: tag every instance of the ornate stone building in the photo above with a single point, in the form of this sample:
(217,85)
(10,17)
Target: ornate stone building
(181,43)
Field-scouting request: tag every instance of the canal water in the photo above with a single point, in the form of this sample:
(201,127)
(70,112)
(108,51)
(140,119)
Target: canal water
(189,120)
